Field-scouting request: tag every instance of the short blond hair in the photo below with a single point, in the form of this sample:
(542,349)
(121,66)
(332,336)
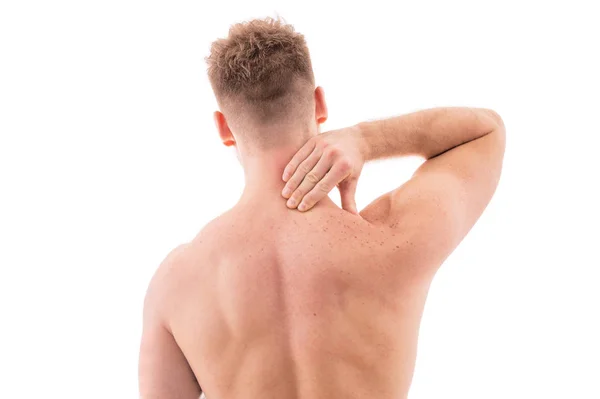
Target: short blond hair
(261,74)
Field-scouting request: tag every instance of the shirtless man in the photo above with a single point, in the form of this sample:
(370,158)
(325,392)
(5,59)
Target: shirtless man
(298,298)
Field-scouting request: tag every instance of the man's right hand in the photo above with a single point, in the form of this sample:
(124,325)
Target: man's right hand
(330,159)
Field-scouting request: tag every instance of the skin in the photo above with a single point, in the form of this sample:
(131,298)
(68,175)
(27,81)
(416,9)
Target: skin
(268,301)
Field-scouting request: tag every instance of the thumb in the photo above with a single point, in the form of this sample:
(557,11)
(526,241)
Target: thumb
(347,193)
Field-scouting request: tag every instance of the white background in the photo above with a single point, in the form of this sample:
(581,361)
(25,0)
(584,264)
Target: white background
(109,159)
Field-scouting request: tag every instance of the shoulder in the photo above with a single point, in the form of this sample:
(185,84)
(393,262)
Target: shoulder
(157,298)
(174,271)
(200,246)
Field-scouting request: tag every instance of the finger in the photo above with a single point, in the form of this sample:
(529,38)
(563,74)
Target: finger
(310,180)
(301,171)
(348,195)
(300,156)
(337,173)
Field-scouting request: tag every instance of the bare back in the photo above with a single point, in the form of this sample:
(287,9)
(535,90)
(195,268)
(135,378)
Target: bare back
(274,303)
(282,304)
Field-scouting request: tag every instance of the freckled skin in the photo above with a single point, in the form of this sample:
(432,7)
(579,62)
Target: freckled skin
(275,303)
(268,302)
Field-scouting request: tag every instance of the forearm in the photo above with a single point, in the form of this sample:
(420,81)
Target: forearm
(426,133)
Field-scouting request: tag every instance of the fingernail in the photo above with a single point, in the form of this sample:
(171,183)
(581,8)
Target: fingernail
(291,203)
(286,192)
(302,207)
(285,176)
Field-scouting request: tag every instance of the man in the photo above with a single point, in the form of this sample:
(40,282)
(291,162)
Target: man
(286,295)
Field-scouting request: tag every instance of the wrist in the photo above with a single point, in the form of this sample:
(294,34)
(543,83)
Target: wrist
(361,132)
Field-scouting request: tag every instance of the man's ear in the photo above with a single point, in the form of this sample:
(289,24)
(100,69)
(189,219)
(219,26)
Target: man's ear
(320,105)
(223,129)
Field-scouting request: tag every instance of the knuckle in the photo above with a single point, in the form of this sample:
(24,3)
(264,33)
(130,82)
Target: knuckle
(288,190)
(312,178)
(332,152)
(304,168)
(323,187)
(292,182)
(344,165)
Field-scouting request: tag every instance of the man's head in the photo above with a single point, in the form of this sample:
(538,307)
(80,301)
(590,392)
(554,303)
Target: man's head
(263,81)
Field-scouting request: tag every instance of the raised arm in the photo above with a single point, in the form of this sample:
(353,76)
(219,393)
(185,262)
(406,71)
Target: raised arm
(436,208)
(427,133)
(463,148)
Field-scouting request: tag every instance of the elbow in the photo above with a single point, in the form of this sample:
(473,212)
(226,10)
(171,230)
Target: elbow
(499,130)
(496,127)
(496,118)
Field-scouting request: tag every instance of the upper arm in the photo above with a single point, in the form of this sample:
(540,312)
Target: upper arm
(163,369)
(164,372)
(447,194)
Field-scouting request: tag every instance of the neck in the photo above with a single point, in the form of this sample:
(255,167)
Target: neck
(263,172)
